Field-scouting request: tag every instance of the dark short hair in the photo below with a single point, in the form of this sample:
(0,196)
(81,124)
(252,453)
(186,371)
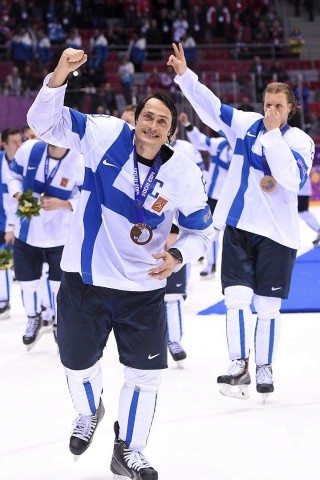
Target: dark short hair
(5,134)
(168,102)
(279,87)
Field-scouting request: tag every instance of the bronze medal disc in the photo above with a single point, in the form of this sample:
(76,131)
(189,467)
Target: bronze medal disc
(268,183)
(141,234)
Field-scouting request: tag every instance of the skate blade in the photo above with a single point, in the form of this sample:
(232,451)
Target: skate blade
(76,458)
(264,397)
(240,392)
(31,345)
(119,477)
(180,364)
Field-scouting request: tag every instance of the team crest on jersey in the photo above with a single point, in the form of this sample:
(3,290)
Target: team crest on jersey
(64,182)
(159,204)
(207,216)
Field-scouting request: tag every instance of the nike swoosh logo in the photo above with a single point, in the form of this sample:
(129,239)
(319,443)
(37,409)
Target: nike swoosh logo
(251,135)
(32,168)
(150,357)
(275,288)
(179,285)
(105,162)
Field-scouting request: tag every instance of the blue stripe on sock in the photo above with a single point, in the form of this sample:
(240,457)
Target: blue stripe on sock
(180,318)
(132,414)
(271,340)
(90,396)
(242,335)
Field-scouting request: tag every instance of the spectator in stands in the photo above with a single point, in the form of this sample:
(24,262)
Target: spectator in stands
(154,39)
(105,98)
(66,16)
(56,32)
(197,22)
(310,9)
(43,48)
(74,40)
(126,72)
(296,41)
(218,20)
(154,81)
(99,49)
(29,84)
(164,22)
(137,51)
(258,77)
(5,36)
(14,82)
(277,73)
(179,26)
(190,48)
(118,35)
(21,47)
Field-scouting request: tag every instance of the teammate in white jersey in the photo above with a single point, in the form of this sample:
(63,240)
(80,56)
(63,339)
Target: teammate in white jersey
(54,175)
(115,267)
(304,212)
(258,205)
(220,153)
(11,140)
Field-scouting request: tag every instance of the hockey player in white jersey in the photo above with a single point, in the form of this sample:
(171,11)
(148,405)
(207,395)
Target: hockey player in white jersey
(303,208)
(258,205)
(220,153)
(114,265)
(11,141)
(54,175)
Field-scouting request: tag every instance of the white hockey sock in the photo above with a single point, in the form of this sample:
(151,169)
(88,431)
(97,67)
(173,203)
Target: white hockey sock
(174,316)
(31,297)
(137,405)
(239,321)
(85,387)
(212,254)
(46,294)
(267,332)
(6,278)
(54,288)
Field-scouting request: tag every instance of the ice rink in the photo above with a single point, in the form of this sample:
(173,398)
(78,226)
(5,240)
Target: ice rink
(197,433)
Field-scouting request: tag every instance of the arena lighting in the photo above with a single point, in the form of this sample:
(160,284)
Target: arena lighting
(75,73)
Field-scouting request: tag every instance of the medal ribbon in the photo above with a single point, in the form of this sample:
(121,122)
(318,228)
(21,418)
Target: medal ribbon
(265,165)
(141,192)
(48,178)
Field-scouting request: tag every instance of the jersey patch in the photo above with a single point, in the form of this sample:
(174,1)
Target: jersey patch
(64,182)
(159,204)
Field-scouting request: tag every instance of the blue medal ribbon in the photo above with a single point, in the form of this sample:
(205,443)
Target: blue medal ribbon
(49,177)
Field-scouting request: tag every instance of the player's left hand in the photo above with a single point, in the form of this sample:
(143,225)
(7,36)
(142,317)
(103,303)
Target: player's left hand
(53,203)
(272,118)
(166,268)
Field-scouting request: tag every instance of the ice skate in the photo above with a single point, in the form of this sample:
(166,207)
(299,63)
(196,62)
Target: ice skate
(264,381)
(47,318)
(33,332)
(84,428)
(208,272)
(54,330)
(129,464)
(5,312)
(235,383)
(317,240)
(177,352)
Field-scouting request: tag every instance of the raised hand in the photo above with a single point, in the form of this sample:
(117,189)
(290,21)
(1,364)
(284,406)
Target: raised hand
(178,60)
(272,118)
(70,60)
(183,118)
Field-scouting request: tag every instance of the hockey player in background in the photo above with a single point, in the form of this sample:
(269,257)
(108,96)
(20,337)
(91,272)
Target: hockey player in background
(54,175)
(303,208)
(11,141)
(258,205)
(114,263)
(220,157)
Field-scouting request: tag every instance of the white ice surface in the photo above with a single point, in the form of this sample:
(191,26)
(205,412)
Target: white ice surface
(197,433)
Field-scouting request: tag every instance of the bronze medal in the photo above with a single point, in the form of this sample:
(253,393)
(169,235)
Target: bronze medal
(141,233)
(268,183)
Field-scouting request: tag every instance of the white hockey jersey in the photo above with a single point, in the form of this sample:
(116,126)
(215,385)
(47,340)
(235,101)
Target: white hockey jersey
(99,245)
(8,205)
(51,227)
(243,204)
(220,153)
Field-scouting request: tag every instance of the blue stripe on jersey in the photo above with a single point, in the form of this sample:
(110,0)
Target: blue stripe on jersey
(242,334)
(15,167)
(238,202)
(226,114)
(79,122)
(33,164)
(271,340)
(52,191)
(303,168)
(198,220)
(132,414)
(208,140)
(3,189)
(90,396)
(24,229)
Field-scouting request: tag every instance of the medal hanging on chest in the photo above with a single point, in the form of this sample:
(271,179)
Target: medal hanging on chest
(141,233)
